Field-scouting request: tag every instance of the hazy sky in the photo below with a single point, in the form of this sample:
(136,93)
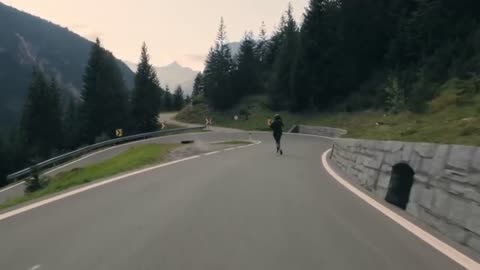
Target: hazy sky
(181,30)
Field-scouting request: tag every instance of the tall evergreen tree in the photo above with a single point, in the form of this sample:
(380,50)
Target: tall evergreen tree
(318,47)
(167,99)
(262,44)
(281,86)
(104,96)
(247,76)
(3,164)
(218,73)
(41,119)
(146,101)
(70,125)
(178,99)
(198,85)
(262,51)
(188,100)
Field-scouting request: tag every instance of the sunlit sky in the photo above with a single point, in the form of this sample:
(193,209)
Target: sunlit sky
(174,30)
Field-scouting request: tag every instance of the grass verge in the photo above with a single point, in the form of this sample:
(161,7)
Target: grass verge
(134,158)
(452,118)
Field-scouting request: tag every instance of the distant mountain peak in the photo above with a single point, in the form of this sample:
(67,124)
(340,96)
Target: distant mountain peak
(175,64)
(173,75)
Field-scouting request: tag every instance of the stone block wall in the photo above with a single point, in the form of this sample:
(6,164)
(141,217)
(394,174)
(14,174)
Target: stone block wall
(446,189)
(321,131)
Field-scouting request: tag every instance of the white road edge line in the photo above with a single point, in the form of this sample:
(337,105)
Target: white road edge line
(436,243)
(10,187)
(228,149)
(92,186)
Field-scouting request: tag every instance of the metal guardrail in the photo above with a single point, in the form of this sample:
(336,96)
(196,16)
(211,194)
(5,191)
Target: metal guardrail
(88,149)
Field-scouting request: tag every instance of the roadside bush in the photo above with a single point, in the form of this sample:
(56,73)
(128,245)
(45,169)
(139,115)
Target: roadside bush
(199,99)
(102,138)
(396,101)
(35,182)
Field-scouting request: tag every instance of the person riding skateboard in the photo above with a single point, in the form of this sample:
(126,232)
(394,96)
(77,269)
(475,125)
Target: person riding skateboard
(277,126)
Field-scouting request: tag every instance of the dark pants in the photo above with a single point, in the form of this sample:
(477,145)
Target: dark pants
(278,138)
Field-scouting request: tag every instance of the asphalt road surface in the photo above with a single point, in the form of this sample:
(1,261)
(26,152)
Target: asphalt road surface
(244,209)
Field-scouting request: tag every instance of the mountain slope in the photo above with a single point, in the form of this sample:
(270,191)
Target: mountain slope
(173,75)
(27,41)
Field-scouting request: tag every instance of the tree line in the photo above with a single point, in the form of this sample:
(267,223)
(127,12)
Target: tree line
(51,124)
(348,55)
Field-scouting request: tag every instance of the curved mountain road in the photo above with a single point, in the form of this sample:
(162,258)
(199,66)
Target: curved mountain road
(241,209)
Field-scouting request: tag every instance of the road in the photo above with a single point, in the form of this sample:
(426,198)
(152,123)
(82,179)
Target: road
(169,118)
(242,209)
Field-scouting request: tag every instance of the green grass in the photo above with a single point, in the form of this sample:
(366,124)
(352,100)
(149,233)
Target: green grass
(453,117)
(234,142)
(132,159)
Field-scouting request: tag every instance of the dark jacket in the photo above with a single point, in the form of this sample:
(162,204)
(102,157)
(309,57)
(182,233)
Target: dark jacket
(277,127)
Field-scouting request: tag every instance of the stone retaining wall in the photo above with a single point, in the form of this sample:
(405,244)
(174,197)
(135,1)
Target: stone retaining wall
(446,189)
(321,131)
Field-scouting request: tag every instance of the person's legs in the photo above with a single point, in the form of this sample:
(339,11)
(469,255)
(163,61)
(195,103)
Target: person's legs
(278,139)
(280,144)
(277,142)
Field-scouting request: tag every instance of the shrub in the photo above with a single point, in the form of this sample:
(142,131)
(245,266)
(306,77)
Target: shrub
(35,182)
(396,101)
(102,138)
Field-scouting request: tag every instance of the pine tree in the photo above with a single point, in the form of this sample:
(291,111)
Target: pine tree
(262,45)
(247,77)
(281,86)
(146,101)
(188,100)
(262,51)
(167,99)
(41,119)
(198,85)
(218,73)
(70,125)
(55,111)
(3,163)
(105,99)
(178,99)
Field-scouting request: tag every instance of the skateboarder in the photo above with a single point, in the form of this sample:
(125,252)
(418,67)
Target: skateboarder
(277,126)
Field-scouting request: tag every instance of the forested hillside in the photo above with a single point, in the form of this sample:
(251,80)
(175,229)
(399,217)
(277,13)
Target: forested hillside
(51,125)
(351,55)
(26,42)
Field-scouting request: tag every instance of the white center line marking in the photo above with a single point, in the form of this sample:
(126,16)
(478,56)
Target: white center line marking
(36,267)
(211,153)
(436,243)
(83,189)
(92,186)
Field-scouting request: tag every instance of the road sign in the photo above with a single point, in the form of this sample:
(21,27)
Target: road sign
(119,132)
